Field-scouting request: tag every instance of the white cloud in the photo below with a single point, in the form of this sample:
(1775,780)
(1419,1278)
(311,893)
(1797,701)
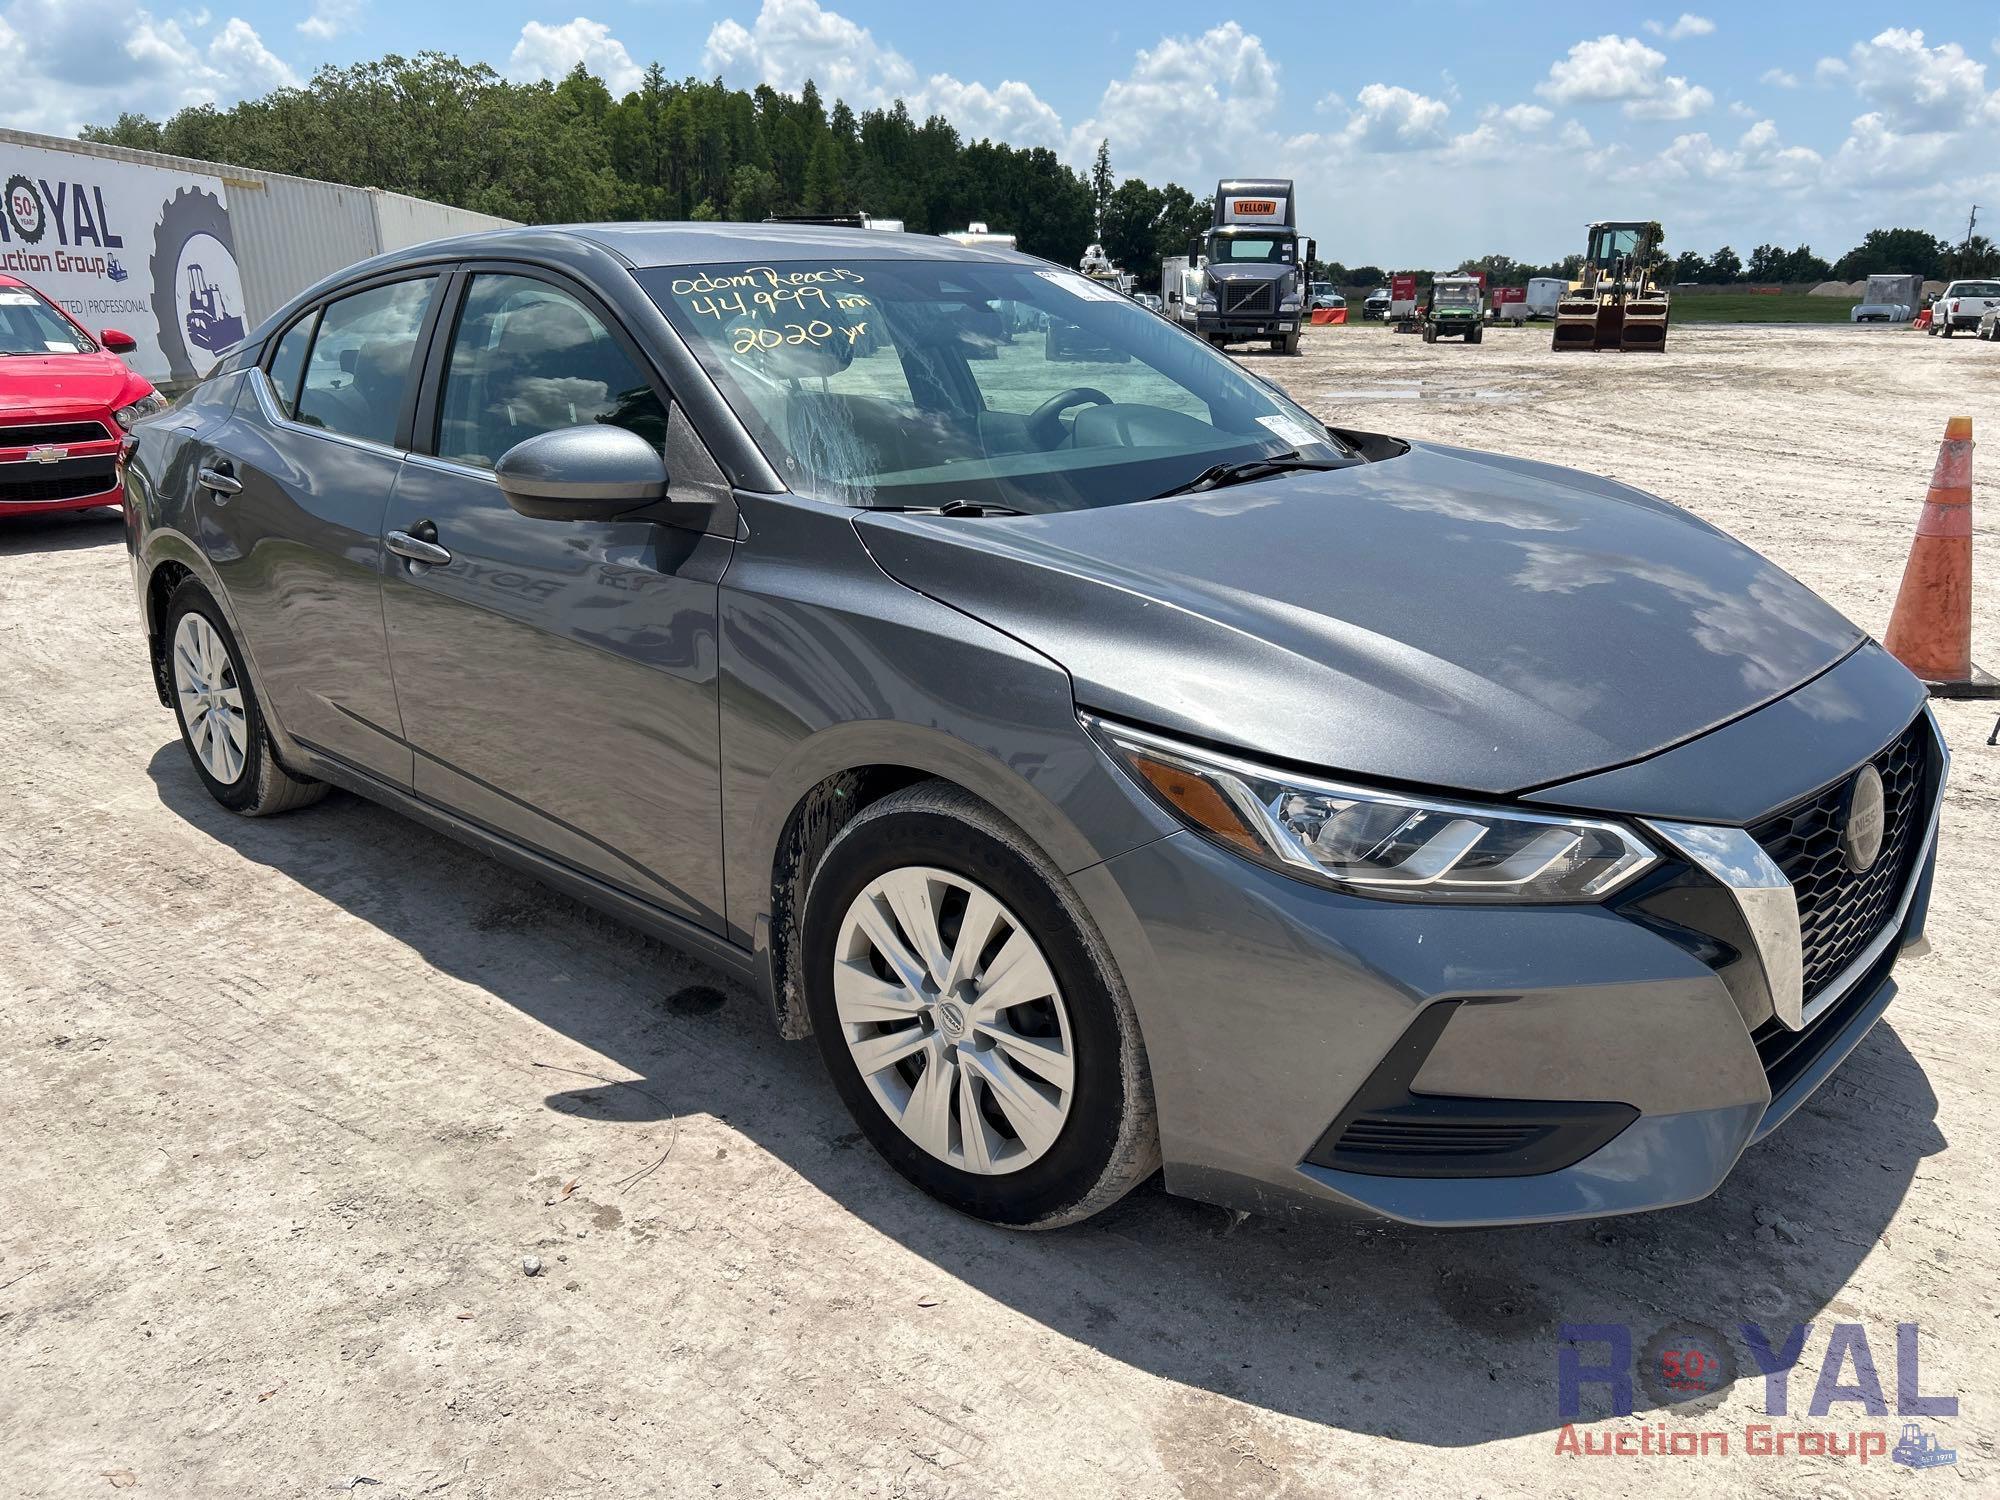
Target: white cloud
(329,18)
(1682,29)
(1390,118)
(1677,99)
(1193,109)
(546,51)
(1623,70)
(59,78)
(1011,112)
(794,40)
(1915,87)
(237,53)
(1779,78)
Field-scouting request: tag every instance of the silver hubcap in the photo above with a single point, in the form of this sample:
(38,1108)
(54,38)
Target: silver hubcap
(953,1018)
(211,699)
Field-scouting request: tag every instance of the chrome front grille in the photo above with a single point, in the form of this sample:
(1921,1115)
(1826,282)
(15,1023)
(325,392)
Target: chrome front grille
(1253,297)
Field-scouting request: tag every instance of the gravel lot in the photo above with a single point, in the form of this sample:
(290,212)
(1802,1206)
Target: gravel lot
(288,1102)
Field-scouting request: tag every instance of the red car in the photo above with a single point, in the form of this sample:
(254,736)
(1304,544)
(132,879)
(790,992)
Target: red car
(66,400)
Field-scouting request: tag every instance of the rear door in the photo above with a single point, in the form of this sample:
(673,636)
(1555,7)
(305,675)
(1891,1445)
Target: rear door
(295,530)
(558,679)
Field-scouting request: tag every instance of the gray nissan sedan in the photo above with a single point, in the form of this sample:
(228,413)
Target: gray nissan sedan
(1109,765)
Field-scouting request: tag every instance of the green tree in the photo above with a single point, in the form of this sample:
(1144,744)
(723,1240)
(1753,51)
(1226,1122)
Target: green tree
(1906,252)
(1101,183)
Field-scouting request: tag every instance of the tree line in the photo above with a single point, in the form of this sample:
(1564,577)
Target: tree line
(437,127)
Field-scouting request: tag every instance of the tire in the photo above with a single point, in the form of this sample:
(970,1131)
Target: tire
(931,850)
(1475,336)
(206,669)
(1292,341)
(1278,345)
(1945,332)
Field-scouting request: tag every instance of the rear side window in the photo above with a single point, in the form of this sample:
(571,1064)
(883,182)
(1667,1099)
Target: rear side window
(528,358)
(288,363)
(360,367)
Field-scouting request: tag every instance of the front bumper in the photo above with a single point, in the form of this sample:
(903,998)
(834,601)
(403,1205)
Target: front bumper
(59,461)
(1233,326)
(1295,1034)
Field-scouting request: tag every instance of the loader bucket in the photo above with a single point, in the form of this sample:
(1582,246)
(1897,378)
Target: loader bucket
(1645,327)
(1576,324)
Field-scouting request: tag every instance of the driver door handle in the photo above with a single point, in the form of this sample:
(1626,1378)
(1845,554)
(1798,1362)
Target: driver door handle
(417,549)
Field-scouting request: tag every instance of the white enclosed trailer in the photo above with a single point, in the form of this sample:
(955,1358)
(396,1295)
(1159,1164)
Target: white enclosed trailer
(1544,293)
(188,256)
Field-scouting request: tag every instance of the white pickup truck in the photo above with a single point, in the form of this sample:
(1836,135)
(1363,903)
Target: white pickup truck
(1962,304)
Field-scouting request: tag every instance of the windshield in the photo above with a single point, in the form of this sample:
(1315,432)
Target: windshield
(28,325)
(894,383)
(1609,244)
(1262,249)
(1449,295)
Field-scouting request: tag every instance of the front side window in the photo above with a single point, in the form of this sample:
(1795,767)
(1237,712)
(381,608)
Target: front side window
(288,363)
(28,325)
(528,358)
(360,367)
(916,382)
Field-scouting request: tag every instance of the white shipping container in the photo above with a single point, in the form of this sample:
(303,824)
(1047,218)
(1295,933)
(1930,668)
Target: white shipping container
(206,251)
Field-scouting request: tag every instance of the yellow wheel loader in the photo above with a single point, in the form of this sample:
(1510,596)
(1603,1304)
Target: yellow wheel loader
(1618,303)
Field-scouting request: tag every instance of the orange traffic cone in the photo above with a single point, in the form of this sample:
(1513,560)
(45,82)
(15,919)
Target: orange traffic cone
(1930,630)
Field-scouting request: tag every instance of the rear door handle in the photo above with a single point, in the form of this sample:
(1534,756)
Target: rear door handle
(416,549)
(221,481)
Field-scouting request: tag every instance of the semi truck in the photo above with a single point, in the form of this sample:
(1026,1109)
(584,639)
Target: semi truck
(1253,262)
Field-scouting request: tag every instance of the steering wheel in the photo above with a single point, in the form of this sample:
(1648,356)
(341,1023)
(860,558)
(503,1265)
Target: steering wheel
(1045,422)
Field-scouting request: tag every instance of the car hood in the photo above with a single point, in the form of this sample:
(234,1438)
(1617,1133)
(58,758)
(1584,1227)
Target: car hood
(44,383)
(1446,617)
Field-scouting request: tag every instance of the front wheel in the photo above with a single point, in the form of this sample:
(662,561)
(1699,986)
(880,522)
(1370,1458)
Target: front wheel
(970,1016)
(222,725)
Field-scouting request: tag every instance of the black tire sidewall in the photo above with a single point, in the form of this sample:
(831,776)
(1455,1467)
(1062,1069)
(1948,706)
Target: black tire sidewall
(1082,1152)
(192,599)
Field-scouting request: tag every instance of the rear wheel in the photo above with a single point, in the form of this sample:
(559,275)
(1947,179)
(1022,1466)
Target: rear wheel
(970,1016)
(221,723)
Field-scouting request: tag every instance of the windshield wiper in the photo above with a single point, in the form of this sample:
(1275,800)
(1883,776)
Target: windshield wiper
(969,508)
(1217,476)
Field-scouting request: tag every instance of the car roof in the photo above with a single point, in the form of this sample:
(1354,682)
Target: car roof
(671,244)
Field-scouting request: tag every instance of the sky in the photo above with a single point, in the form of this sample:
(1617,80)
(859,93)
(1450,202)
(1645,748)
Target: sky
(1418,134)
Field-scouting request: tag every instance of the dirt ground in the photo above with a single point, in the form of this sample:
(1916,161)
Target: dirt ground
(286,1104)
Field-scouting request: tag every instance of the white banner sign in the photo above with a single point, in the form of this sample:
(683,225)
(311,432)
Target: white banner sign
(144,250)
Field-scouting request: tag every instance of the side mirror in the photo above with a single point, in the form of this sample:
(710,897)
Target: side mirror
(350,360)
(591,473)
(116,342)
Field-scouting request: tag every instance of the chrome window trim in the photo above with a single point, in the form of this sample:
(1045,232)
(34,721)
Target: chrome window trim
(1740,864)
(278,419)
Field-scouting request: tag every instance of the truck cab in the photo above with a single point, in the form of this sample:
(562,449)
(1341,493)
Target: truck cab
(1253,262)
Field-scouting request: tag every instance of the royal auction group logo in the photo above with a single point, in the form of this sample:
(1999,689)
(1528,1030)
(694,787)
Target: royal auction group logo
(1688,1369)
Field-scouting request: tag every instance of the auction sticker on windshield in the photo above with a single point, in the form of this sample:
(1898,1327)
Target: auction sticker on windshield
(1081,286)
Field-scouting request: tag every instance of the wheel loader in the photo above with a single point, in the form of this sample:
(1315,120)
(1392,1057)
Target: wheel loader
(1618,303)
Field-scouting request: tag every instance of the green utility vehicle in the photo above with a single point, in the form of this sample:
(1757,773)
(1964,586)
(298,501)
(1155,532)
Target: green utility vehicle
(1456,308)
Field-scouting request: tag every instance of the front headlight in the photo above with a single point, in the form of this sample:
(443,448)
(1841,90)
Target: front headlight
(145,406)
(1206,301)
(1290,304)
(1380,843)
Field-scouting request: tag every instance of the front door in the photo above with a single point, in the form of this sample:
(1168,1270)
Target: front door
(557,679)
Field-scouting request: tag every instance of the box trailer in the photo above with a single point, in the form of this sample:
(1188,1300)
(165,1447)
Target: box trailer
(184,255)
